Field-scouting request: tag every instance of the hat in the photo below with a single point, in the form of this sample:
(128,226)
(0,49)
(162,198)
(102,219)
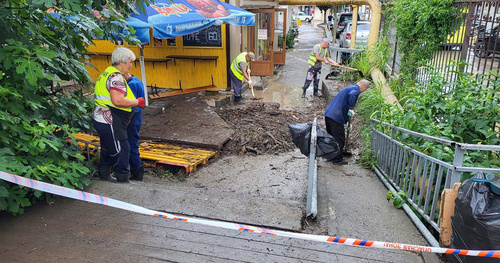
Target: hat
(251,55)
(326,40)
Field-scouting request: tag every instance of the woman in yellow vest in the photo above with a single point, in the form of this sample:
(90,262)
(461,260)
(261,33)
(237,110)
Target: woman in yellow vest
(238,73)
(319,54)
(114,101)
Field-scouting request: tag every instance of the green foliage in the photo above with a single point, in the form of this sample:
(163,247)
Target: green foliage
(464,111)
(398,199)
(290,39)
(370,58)
(37,52)
(421,27)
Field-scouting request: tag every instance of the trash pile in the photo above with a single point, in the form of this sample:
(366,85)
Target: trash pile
(262,128)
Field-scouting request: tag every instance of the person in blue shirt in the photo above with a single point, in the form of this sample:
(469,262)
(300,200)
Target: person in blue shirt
(338,112)
(136,167)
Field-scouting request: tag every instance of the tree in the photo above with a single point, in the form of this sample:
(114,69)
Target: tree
(42,44)
(324,8)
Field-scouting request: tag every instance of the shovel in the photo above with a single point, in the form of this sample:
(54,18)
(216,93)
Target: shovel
(346,151)
(251,87)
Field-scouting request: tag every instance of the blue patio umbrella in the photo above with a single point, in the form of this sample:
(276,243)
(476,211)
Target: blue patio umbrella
(172,18)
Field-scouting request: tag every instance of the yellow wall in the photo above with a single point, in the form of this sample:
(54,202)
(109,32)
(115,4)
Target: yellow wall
(191,75)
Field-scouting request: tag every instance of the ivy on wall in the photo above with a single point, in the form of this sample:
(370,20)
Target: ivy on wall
(421,25)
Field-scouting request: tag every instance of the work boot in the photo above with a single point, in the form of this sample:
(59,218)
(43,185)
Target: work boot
(122,177)
(137,173)
(105,173)
(304,94)
(238,100)
(317,94)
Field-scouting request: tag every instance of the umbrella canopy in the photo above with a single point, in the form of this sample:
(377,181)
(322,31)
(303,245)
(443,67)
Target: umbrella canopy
(181,17)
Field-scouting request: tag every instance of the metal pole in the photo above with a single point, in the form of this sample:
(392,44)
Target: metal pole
(458,160)
(143,74)
(312,190)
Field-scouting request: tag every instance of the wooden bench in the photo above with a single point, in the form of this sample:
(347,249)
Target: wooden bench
(92,53)
(157,60)
(155,95)
(194,58)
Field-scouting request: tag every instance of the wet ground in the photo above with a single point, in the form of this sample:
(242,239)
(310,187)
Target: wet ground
(259,189)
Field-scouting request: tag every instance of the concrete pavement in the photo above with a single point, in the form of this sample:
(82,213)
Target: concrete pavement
(266,191)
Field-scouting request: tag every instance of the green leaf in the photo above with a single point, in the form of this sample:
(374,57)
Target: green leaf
(3,192)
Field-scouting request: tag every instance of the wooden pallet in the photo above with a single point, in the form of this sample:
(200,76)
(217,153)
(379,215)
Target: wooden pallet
(161,153)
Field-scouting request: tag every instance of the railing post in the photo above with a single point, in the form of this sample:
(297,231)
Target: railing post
(458,159)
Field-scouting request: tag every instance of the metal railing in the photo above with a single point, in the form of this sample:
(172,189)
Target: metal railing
(419,175)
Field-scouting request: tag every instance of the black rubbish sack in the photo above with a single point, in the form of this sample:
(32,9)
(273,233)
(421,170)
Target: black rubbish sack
(327,146)
(301,136)
(476,221)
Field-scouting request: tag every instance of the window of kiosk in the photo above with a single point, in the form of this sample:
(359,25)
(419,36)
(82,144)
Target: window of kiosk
(157,42)
(278,31)
(171,42)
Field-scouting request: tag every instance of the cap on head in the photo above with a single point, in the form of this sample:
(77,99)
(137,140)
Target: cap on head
(251,55)
(326,40)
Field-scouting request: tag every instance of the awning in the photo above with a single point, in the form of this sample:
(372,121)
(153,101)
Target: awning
(181,17)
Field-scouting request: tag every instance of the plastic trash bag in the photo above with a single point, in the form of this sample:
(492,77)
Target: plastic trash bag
(327,147)
(476,221)
(301,136)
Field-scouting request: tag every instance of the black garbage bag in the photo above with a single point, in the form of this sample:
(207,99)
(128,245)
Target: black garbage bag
(327,147)
(301,136)
(476,221)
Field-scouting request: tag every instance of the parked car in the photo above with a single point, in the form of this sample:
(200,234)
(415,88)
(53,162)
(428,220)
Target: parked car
(488,42)
(302,16)
(362,32)
(343,19)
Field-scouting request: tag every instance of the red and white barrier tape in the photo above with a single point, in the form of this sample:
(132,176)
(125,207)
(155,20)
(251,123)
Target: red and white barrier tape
(88,197)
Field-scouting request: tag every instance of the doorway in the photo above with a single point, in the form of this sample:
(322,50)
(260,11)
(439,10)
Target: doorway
(261,42)
(280,36)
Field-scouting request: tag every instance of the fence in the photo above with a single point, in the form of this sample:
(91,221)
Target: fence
(474,38)
(421,176)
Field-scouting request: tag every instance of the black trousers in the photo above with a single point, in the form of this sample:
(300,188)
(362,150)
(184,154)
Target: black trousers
(312,74)
(336,130)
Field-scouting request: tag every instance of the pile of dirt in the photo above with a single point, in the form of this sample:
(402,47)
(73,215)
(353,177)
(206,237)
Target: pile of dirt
(262,128)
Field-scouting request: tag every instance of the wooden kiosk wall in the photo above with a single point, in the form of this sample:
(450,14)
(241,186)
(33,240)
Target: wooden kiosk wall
(191,73)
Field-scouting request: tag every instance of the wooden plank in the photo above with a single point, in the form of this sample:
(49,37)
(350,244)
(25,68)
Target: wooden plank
(179,92)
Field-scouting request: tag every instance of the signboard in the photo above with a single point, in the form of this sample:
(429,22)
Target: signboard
(262,34)
(208,37)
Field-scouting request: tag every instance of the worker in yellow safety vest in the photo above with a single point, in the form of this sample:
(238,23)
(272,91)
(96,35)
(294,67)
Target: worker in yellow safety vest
(319,55)
(114,101)
(240,71)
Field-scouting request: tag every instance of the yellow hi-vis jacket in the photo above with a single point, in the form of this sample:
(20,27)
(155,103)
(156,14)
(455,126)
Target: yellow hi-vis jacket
(312,57)
(235,66)
(101,93)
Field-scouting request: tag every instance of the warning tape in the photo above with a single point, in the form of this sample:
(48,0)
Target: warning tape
(92,198)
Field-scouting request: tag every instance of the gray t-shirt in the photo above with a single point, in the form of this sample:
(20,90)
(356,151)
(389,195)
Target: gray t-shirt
(316,50)
(243,66)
